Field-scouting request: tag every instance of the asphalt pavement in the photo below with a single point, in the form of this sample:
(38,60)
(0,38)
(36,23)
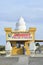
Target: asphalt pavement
(21,60)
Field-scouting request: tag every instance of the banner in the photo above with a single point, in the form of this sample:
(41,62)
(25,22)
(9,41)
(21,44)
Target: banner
(20,36)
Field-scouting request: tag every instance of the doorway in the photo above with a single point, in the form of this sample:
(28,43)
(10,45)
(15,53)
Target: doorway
(21,44)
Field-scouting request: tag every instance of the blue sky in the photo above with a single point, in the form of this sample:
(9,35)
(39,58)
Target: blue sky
(11,10)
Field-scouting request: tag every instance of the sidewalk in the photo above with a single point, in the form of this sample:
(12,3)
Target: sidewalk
(36,55)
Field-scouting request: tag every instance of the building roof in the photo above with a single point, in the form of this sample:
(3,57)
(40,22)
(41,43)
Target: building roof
(38,40)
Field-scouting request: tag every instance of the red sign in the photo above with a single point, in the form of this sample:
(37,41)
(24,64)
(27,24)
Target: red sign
(21,35)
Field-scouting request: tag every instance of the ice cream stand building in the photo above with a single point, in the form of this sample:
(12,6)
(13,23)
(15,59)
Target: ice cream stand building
(20,38)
